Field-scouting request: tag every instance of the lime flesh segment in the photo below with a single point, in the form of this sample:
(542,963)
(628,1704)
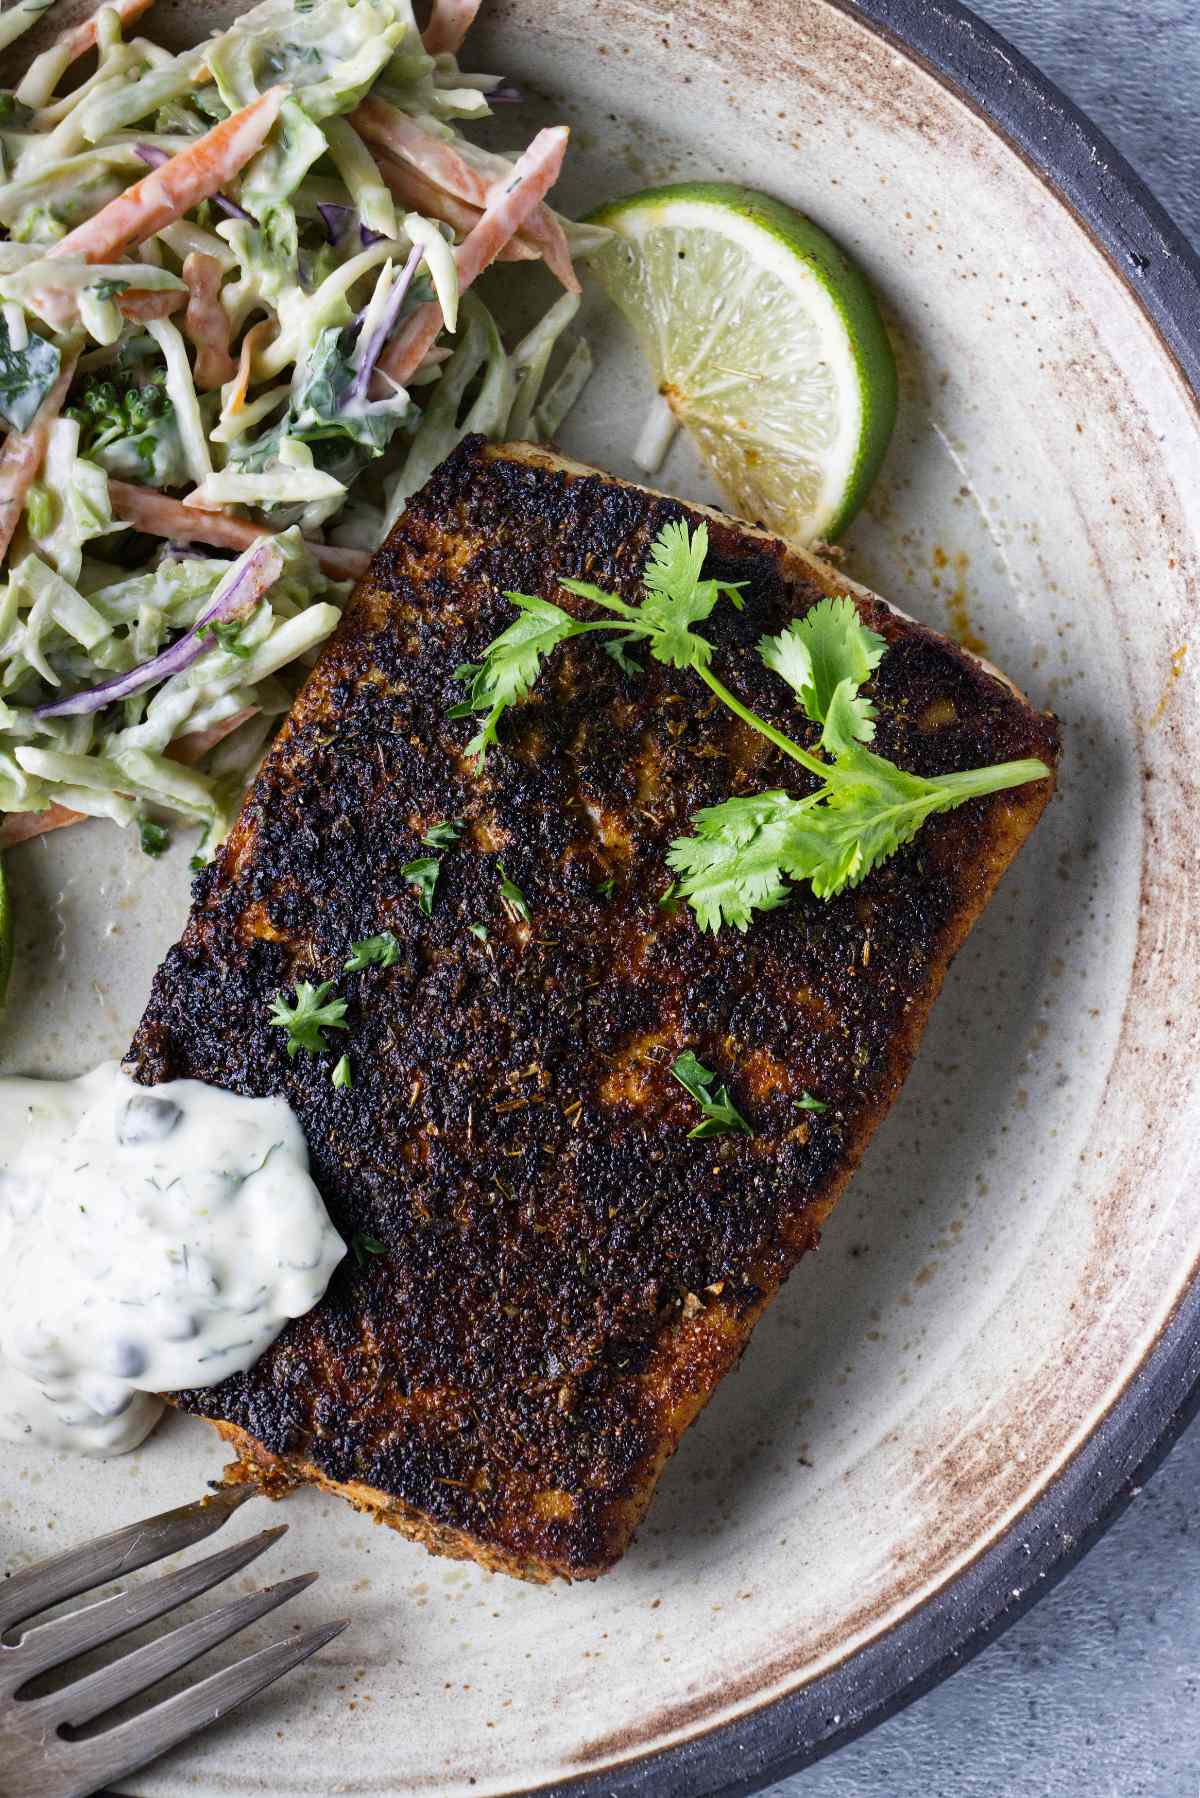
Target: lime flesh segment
(6,944)
(766,344)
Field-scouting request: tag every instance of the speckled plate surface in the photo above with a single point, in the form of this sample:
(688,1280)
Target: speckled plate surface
(1002,1317)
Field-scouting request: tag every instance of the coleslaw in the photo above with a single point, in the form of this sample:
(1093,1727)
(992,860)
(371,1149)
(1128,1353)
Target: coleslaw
(238,329)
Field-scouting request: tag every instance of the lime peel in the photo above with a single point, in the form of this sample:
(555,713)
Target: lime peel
(766,345)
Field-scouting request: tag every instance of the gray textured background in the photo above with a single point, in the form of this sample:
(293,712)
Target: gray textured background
(1095,1693)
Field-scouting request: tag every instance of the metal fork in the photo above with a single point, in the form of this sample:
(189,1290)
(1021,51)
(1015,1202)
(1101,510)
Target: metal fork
(37,1760)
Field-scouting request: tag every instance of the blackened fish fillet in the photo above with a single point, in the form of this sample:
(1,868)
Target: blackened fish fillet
(551,1277)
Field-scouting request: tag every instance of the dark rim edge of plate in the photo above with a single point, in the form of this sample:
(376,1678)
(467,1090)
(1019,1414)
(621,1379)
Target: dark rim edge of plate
(1083,170)
(1078,164)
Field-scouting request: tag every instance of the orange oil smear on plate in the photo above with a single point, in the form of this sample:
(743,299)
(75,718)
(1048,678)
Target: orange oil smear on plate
(961,628)
(1178,657)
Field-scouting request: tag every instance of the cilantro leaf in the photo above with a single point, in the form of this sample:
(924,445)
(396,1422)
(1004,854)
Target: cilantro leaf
(342,1077)
(227,636)
(381,951)
(362,1245)
(479,931)
(675,597)
(512,898)
(605,889)
(734,864)
(108,290)
(423,873)
(746,852)
(676,559)
(850,719)
(692,1075)
(441,836)
(806,1102)
(313,1013)
(816,653)
(512,664)
(620,655)
(720,1113)
(154,838)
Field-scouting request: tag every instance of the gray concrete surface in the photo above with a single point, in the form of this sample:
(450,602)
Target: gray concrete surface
(1095,1693)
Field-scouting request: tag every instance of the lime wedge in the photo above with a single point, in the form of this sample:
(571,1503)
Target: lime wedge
(766,345)
(6,943)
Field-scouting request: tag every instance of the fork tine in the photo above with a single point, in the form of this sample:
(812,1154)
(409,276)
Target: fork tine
(110,1686)
(122,1750)
(48,1644)
(36,1589)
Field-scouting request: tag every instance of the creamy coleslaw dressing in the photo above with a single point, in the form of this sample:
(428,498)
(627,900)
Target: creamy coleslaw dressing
(151,1238)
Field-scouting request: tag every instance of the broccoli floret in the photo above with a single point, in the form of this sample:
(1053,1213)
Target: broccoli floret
(128,426)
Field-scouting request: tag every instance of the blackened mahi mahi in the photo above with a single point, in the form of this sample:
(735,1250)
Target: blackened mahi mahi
(550,1276)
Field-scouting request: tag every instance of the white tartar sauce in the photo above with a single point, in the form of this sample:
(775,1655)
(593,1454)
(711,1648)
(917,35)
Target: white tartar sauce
(151,1238)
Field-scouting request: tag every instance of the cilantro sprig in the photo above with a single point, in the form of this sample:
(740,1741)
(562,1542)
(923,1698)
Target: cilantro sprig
(748,853)
(306,1021)
(745,853)
(720,1112)
(675,598)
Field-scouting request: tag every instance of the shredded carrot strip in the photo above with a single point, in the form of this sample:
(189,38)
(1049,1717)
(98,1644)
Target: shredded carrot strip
(413,189)
(58,305)
(207,323)
(79,39)
(443,166)
(160,516)
(169,191)
(151,305)
(449,23)
(22,827)
(506,211)
(252,342)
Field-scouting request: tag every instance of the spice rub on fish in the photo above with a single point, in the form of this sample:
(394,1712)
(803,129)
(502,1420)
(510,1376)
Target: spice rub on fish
(550,1275)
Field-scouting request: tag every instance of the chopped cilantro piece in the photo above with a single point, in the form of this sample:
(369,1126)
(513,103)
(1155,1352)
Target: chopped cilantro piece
(423,873)
(313,1013)
(380,951)
(512,898)
(720,1113)
(441,836)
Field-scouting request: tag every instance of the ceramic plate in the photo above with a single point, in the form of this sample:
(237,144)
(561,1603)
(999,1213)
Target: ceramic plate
(998,1325)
